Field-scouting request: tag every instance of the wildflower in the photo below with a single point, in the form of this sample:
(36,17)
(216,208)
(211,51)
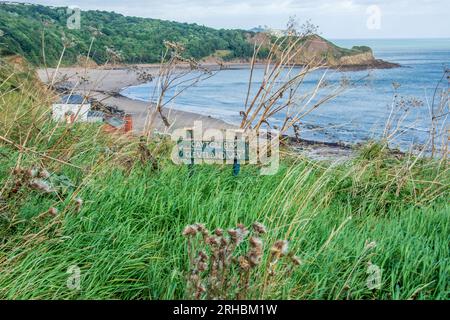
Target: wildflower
(296,260)
(17,171)
(213,241)
(256,251)
(254,260)
(233,234)
(280,247)
(202,256)
(194,277)
(259,228)
(243,263)
(256,243)
(202,229)
(200,289)
(41,185)
(189,231)
(78,204)
(202,266)
(223,242)
(53,211)
(237,235)
(32,173)
(218,232)
(44,174)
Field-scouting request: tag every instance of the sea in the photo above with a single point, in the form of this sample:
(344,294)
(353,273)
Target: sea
(359,113)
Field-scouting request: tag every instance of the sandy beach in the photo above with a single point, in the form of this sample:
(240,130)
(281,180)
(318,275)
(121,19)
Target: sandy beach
(105,85)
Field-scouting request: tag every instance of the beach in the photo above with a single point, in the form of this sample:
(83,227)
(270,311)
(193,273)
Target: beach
(105,84)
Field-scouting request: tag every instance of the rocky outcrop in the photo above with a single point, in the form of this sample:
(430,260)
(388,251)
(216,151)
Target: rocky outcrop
(365,60)
(357,59)
(322,51)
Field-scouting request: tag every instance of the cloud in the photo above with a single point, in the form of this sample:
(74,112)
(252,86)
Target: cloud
(336,18)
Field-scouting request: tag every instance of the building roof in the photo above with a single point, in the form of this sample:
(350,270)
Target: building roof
(73,99)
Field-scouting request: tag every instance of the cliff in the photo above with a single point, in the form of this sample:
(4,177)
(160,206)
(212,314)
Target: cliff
(320,49)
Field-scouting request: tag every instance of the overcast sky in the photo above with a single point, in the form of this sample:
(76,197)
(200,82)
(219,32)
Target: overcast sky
(336,18)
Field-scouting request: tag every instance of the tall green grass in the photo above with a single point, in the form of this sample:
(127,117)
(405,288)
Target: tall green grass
(127,240)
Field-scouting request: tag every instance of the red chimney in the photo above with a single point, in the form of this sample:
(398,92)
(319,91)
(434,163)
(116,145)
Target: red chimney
(128,123)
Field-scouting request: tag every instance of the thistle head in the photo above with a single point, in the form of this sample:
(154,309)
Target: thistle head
(296,260)
(243,263)
(218,232)
(238,235)
(259,228)
(280,247)
(190,231)
(53,211)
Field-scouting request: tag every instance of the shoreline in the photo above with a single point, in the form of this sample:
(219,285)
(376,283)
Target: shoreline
(106,84)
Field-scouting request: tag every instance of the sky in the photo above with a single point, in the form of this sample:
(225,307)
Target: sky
(337,19)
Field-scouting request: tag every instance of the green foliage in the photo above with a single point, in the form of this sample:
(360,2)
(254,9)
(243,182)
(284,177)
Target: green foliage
(26,28)
(126,237)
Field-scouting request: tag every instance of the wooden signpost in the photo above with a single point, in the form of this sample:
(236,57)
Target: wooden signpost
(234,151)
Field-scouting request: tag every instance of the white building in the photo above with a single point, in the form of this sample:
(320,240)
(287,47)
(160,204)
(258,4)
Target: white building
(71,108)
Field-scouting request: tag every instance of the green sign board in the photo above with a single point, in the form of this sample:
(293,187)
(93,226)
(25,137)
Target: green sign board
(212,150)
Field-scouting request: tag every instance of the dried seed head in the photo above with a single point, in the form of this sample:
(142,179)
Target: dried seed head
(370,245)
(237,235)
(254,259)
(201,288)
(243,263)
(234,236)
(189,231)
(242,228)
(213,241)
(202,266)
(218,232)
(223,242)
(194,277)
(202,256)
(32,173)
(78,203)
(232,233)
(296,260)
(280,247)
(256,251)
(256,242)
(41,185)
(44,174)
(259,228)
(53,211)
(202,229)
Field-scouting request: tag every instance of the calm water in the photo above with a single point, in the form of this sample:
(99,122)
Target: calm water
(357,114)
